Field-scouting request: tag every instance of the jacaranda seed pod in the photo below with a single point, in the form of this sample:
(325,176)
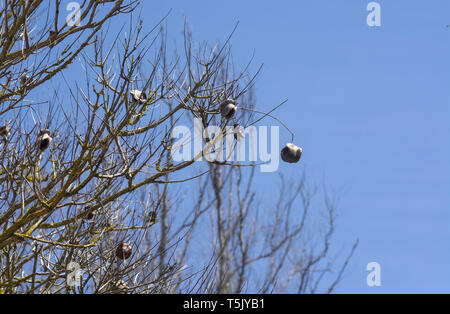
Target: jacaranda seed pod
(44,139)
(228,109)
(123,251)
(291,153)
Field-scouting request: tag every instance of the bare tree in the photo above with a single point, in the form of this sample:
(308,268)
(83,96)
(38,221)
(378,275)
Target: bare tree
(92,200)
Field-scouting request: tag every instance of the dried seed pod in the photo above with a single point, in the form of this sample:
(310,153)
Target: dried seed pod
(138,96)
(152,216)
(44,139)
(291,153)
(238,134)
(90,213)
(4,132)
(123,251)
(24,79)
(228,109)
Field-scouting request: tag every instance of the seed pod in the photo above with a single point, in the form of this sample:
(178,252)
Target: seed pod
(44,139)
(24,79)
(152,216)
(138,96)
(291,153)
(4,132)
(238,133)
(123,251)
(90,213)
(228,109)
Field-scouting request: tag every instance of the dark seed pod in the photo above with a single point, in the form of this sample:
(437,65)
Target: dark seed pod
(123,251)
(44,139)
(91,213)
(228,109)
(152,217)
(138,96)
(238,134)
(4,132)
(24,79)
(291,153)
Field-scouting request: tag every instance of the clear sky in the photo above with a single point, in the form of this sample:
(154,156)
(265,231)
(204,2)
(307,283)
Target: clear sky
(370,108)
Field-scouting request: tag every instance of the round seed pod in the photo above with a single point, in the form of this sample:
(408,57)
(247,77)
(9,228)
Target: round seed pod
(91,213)
(4,132)
(24,79)
(291,153)
(138,96)
(44,139)
(228,109)
(123,251)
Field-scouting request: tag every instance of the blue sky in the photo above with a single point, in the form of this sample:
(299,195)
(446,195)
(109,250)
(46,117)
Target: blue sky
(370,108)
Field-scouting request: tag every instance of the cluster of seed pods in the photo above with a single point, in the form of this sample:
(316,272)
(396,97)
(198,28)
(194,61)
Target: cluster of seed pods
(291,153)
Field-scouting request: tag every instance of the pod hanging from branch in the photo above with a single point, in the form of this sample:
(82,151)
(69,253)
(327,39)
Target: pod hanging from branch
(123,251)
(4,132)
(228,109)
(238,134)
(90,213)
(24,79)
(138,96)
(291,153)
(44,139)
